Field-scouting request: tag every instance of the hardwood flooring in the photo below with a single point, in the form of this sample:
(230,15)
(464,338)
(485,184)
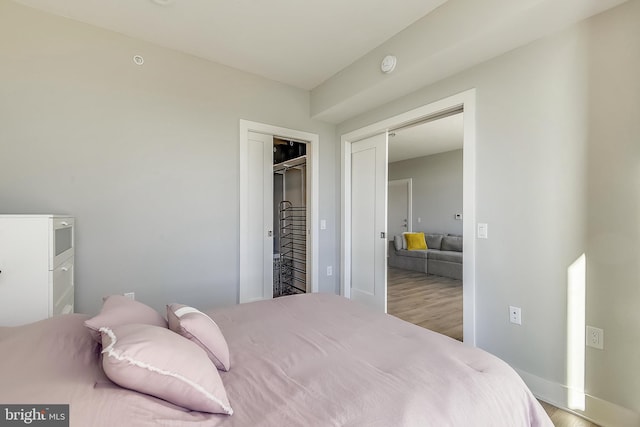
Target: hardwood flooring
(435,303)
(562,418)
(432,302)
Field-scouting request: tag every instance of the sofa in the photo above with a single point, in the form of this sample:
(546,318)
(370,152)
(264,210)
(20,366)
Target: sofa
(443,256)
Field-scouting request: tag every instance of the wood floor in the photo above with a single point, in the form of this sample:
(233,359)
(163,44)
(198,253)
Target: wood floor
(562,418)
(435,303)
(432,302)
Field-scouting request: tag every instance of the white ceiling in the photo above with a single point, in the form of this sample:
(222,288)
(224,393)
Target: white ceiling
(301,43)
(333,47)
(428,138)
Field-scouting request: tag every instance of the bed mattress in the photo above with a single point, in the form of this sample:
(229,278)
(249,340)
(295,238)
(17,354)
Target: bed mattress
(306,360)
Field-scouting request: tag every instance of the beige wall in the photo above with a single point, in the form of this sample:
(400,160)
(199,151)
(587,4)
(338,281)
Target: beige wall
(146,158)
(558,175)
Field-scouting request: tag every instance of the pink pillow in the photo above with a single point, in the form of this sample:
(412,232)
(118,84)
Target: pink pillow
(202,330)
(155,361)
(120,310)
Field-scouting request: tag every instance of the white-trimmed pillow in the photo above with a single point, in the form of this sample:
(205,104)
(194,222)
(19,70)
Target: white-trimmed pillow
(120,310)
(202,330)
(156,361)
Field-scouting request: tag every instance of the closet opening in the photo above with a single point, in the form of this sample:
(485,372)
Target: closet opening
(290,213)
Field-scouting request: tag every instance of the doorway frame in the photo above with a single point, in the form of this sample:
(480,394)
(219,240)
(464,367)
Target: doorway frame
(311,139)
(409,183)
(467,101)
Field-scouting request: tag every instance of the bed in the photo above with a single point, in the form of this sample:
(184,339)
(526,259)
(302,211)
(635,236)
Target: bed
(305,360)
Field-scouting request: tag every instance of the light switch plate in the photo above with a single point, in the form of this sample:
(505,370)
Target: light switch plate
(483,231)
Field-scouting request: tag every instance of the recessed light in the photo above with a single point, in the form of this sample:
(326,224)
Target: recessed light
(138,60)
(163,2)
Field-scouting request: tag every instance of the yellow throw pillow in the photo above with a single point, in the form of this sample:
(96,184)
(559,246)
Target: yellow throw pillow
(415,241)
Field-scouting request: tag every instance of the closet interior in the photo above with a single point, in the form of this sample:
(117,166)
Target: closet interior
(290,217)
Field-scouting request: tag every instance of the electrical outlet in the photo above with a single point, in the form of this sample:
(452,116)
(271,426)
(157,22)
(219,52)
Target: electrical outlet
(515,315)
(329,271)
(595,337)
(130,295)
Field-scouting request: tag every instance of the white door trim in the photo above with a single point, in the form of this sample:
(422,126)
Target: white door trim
(313,163)
(409,183)
(466,100)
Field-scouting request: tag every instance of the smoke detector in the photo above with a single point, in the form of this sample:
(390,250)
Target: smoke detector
(388,64)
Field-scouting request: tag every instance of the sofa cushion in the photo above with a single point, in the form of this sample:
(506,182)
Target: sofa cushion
(450,256)
(452,243)
(413,254)
(415,241)
(404,240)
(397,242)
(434,241)
(452,270)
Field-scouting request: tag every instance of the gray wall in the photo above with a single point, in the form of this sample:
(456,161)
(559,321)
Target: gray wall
(612,205)
(557,176)
(146,158)
(437,190)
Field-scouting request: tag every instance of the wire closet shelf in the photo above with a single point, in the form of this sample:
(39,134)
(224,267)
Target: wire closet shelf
(293,249)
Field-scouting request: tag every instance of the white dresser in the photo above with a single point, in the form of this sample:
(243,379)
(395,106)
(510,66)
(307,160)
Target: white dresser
(36,267)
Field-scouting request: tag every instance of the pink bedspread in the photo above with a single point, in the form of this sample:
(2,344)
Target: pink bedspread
(310,360)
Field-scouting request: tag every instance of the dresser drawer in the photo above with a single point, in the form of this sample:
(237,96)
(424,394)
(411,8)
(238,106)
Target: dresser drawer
(62,286)
(62,237)
(37,267)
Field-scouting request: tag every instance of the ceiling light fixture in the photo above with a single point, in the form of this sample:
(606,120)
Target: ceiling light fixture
(138,60)
(163,2)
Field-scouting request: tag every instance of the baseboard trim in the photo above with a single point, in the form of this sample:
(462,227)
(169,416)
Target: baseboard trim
(597,410)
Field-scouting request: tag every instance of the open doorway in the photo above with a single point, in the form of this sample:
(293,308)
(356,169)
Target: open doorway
(464,101)
(256,248)
(290,248)
(425,199)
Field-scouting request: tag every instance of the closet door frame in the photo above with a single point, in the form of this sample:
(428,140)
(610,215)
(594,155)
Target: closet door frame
(312,189)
